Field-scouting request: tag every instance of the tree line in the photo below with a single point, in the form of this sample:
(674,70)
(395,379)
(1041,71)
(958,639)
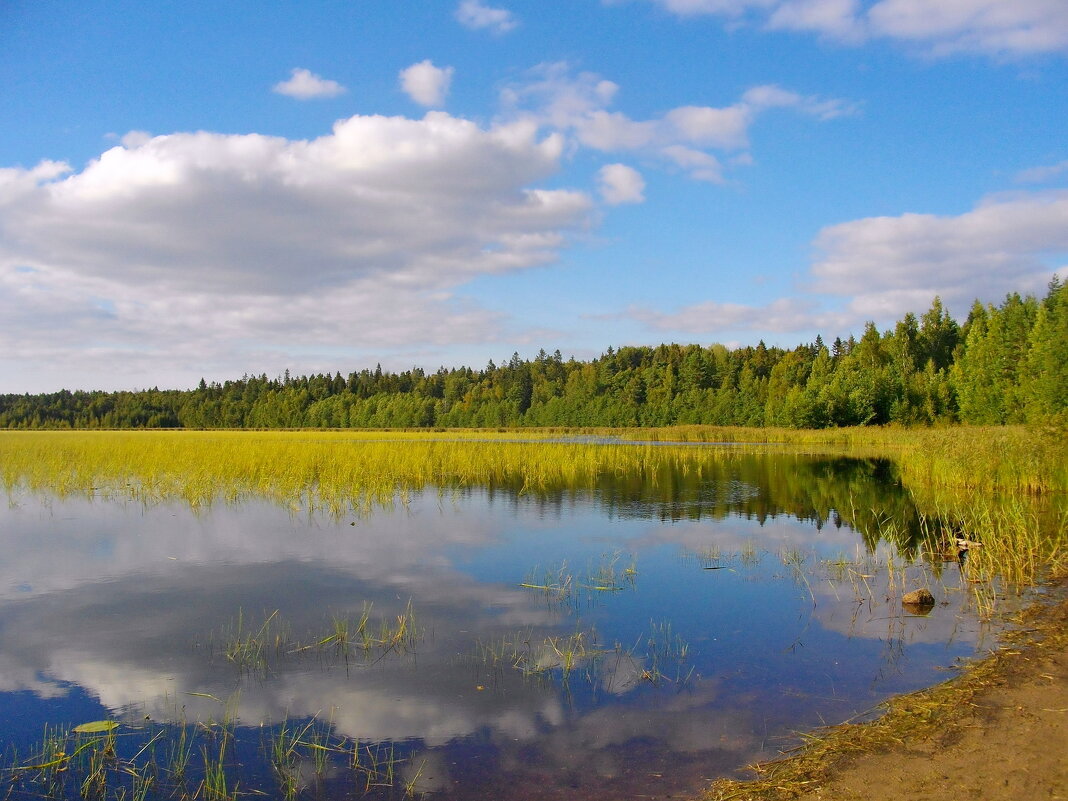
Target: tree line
(1005,363)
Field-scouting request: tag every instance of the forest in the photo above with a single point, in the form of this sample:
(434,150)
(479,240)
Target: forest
(1006,363)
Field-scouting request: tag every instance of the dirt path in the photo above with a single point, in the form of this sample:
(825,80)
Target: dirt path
(1000,731)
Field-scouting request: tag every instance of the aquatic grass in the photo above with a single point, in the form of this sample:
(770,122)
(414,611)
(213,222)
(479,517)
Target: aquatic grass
(411,784)
(1027,458)
(749,555)
(556,586)
(195,763)
(656,657)
(1016,476)
(46,769)
(797,562)
(535,657)
(179,752)
(374,765)
(664,650)
(346,468)
(399,634)
(337,473)
(85,759)
(1004,543)
(561,587)
(215,784)
(250,649)
(570,651)
(607,575)
(345,633)
(857,572)
(256,650)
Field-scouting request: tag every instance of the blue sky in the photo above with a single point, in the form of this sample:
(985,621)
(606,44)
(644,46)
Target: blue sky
(206,189)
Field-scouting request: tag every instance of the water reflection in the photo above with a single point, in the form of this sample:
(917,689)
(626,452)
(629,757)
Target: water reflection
(762,601)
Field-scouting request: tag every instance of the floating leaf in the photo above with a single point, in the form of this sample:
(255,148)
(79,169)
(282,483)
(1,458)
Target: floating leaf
(96,727)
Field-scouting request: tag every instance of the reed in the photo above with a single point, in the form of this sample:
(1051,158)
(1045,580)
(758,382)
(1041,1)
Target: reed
(1014,458)
(554,655)
(338,473)
(256,650)
(656,657)
(561,587)
(1005,487)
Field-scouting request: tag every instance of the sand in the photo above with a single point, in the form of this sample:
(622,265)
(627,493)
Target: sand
(999,731)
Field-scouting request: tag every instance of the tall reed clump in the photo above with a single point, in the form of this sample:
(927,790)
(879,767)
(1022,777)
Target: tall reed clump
(1002,490)
(1010,458)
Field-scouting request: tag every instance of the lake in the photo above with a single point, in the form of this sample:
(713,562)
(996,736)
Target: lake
(632,639)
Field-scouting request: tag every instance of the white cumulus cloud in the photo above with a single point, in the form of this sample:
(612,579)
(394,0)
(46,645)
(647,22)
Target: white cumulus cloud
(213,253)
(554,96)
(890,265)
(476,15)
(880,268)
(426,84)
(620,184)
(305,85)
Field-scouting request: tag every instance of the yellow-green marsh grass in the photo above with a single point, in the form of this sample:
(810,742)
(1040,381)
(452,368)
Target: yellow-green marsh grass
(334,471)
(985,479)
(1030,459)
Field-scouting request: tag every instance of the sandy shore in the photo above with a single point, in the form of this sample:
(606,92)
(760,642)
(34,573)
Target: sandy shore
(998,731)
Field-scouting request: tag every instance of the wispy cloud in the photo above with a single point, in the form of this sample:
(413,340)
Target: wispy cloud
(1043,174)
(476,15)
(784,315)
(999,28)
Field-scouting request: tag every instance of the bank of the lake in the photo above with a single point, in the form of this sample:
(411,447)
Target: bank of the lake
(997,732)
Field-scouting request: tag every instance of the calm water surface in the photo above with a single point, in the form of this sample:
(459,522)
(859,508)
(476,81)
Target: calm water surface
(679,628)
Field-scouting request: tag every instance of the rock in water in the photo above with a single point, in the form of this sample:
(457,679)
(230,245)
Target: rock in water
(920,599)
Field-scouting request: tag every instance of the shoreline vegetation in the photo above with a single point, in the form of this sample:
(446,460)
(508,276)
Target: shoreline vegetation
(1004,364)
(1003,487)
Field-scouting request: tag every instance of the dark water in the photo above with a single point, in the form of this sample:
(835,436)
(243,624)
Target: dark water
(707,618)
